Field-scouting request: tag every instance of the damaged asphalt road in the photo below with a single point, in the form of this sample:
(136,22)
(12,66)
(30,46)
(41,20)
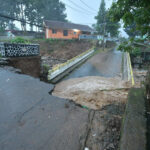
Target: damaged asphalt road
(98,85)
(31,119)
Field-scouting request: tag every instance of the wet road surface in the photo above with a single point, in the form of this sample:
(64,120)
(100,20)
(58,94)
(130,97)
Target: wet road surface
(31,119)
(106,64)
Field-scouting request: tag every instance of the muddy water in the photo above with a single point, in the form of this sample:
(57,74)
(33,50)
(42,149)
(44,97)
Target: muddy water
(92,91)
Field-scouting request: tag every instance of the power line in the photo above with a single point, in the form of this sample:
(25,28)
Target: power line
(87,5)
(79,6)
(77,10)
(16,19)
(33,24)
(87,23)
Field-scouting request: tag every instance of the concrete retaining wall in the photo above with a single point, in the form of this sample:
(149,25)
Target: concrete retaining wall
(133,135)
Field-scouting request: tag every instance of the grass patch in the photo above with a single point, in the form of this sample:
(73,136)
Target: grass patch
(20,40)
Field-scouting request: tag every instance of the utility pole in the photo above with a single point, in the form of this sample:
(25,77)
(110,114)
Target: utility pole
(104,36)
(103,26)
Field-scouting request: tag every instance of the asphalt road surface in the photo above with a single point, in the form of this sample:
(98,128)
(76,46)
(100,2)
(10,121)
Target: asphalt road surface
(106,64)
(32,119)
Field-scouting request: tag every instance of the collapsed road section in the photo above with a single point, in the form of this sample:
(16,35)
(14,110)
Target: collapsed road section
(97,86)
(93,92)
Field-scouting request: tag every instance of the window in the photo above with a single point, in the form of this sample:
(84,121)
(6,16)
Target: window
(65,32)
(54,31)
(75,33)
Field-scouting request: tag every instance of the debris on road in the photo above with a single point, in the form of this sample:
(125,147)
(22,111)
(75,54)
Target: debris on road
(93,92)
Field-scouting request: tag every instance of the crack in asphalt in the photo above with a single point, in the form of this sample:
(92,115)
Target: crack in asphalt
(28,110)
(90,120)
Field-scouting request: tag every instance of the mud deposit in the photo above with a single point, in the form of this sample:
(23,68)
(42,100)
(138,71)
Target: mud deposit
(93,92)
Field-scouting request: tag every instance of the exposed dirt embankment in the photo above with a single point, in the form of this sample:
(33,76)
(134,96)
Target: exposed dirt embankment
(28,65)
(54,51)
(105,128)
(64,49)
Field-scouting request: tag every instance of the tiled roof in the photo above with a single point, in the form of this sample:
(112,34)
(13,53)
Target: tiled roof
(66,25)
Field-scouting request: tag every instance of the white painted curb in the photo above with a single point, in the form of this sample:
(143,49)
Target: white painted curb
(128,67)
(130,70)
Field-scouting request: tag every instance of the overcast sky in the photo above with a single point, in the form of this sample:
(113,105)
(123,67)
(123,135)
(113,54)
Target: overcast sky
(77,12)
(83,14)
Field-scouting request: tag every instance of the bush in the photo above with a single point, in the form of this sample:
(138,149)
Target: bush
(130,48)
(52,41)
(20,40)
(45,68)
(140,40)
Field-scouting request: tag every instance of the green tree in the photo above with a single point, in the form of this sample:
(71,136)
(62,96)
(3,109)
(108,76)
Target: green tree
(101,18)
(112,27)
(104,23)
(33,11)
(131,30)
(7,10)
(137,11)
(52,10)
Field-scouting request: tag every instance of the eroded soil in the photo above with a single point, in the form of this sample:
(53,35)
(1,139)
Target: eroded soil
(105,128)
(93,92)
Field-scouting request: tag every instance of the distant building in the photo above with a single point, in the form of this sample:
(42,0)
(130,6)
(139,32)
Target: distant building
(65,30)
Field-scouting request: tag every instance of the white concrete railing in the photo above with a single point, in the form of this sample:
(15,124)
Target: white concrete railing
(68,65)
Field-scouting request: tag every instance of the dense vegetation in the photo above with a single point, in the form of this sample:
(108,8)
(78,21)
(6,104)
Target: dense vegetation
(136,17)
(33,11)
(134,13)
